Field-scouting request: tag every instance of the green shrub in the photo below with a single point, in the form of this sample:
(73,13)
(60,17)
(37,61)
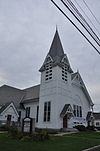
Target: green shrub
(44,135)
(13,131)
(4,128)
(92,128)
(50,131)
(26,138)
(40,136)
(36,136)
(19,135)
(98,128)
(80,127)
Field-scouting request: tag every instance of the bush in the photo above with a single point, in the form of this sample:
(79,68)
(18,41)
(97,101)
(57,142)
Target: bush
(92,128)
(13,131)
(26,138)
(36,136)
(98,128)
(4,128)
(41,136)
(80,127)
(19,135)
(44,135)
(50,131)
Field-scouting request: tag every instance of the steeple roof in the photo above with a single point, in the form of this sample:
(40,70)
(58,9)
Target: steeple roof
(56,49)
(56,54)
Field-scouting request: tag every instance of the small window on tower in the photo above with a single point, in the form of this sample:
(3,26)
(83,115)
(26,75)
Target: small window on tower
(48,74)
(48,67)
(64,73)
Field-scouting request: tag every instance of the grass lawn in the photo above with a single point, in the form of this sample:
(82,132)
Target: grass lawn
(73,142)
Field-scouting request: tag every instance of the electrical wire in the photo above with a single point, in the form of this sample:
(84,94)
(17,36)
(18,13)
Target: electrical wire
(75,26)
(81,20)
(87,16)
(91,12)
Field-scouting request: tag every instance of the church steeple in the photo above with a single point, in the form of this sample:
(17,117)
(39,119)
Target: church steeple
(56,54)
(56,49)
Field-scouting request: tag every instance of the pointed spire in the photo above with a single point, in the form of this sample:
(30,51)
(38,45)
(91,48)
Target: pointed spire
(56,49)
(56,54)
(77,70)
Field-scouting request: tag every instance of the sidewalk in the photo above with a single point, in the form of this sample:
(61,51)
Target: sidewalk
(1,132)
(95,148)
(65,133)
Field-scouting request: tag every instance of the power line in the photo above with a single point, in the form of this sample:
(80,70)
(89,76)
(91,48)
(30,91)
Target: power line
(74,10)
(87,16)
(91,12)
(75,26)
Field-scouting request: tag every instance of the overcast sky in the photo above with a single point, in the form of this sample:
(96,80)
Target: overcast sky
(27,28)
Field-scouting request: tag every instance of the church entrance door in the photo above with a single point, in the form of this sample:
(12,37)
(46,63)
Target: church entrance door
(65,121)
(8,119)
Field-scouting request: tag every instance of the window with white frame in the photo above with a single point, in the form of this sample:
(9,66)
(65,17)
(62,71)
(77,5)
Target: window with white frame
(97,124)
(77,110)
(47,111)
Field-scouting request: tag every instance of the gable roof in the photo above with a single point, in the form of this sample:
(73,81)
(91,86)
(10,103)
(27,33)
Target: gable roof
(31,94)
(82,85)
(96,116)
(10,94)
(4,107)
(65,109)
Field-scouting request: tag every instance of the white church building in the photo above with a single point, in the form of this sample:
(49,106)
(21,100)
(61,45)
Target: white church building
(61,100)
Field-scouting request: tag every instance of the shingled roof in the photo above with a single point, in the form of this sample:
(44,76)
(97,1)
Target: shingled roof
(56,49)
(31,94)
(65,109)
(96,116)
(56,52)
(10,94)
(4,107)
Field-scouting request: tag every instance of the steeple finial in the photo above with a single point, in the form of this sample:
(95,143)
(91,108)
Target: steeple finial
(56,27)
(77,70)
(56,49)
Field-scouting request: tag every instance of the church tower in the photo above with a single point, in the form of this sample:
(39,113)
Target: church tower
(55,85)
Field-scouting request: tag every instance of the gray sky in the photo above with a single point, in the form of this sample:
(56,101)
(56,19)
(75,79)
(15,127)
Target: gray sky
(27,28)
